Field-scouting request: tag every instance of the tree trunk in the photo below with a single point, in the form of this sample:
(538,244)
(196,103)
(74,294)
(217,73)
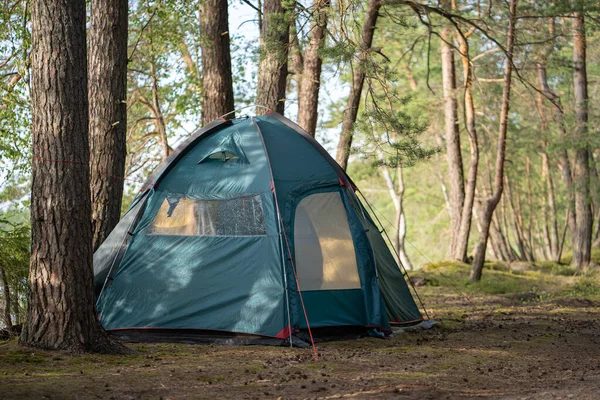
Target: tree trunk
(453,153)
(216,61)
(7,299)
(159,119)
(108,113)
(60,312)
(462,240)
(296,60)
(550,236)
(492,202)
(517,218)
(565,164)
(552,205)
(358,79)
(582,239)
(273,66)
(400,219)
(308,89)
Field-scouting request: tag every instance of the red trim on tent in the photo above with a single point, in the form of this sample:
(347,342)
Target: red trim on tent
(284,333)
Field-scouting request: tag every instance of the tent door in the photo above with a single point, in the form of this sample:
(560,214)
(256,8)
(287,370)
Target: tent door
(326,261)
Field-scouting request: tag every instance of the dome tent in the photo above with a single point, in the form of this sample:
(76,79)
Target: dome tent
(250,228)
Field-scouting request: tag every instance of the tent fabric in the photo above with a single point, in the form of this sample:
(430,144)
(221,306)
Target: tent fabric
(236,217)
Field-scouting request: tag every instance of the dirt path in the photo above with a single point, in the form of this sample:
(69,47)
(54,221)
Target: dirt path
(504,349)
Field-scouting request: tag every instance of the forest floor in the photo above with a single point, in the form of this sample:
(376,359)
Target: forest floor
(531,334)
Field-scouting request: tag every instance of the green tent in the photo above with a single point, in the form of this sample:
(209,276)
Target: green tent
(249,229)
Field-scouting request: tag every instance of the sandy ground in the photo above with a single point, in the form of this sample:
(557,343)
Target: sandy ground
(507,347)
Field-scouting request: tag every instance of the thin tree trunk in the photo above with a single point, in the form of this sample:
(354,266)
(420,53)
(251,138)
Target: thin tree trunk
(309,83)
(582,239)
(60,312)
(492,202)
(453,152)
(7,299)
(529,231)
(552,205)
(550,218)
(397,195)
(358,79)
(273,66)
(462,240)
(565,164)
(517,218)
(296,59)
(217,81)
(107,113)
(494,249)
(161,126)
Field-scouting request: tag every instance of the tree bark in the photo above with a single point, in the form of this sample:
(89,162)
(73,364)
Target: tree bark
(453,153)
(582,239)
(7,299)
(492,202)
(358,79)
(296,60)
(273,66)
(107,113)
(462,240)
(60,312)
(309,83)
(217,80)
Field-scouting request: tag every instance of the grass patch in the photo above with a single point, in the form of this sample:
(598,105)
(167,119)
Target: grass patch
(544,281)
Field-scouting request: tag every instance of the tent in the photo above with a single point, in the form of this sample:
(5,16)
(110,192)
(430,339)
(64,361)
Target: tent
(248,229)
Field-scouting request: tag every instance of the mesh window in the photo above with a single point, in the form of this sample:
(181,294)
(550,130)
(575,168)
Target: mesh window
(242,216)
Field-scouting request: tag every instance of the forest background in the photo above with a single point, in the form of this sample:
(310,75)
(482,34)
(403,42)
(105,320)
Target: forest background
(425,101)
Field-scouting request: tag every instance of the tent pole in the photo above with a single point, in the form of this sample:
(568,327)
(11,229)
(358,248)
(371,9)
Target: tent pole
(279,228)
(282,229)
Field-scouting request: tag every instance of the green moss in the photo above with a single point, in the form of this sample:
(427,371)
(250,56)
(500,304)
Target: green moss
(22,357)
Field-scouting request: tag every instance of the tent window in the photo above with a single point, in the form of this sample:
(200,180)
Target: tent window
(242,216)
(325,257)
(223,156)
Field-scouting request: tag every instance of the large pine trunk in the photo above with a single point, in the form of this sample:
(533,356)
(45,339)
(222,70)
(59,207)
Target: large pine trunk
(60,312)
(490,204)
(216,61)
(358,79)
(107,112)
(273,68)
(582,237)
(453,153)
(308,89)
